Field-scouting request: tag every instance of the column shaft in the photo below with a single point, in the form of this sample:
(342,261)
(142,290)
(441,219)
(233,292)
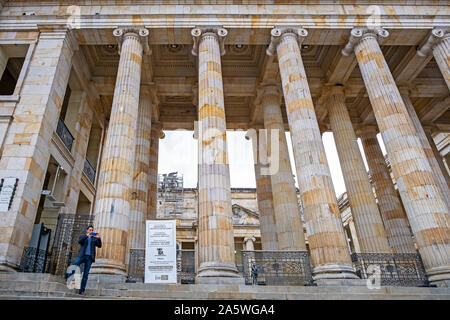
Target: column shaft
(289,225)
(369,226)
(424,203)
(327,241)
(113,203)
(140,190)
(428,149)
(441,53)
(153,172)
(26,147)
(392,213)
(216,242)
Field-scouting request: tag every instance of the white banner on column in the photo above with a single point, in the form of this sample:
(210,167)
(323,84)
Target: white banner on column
(160,251)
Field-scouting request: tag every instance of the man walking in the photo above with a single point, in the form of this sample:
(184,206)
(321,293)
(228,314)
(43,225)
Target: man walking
(86,254)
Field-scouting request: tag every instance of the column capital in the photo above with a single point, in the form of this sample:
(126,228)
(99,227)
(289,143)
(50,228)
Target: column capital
(360,33)
(436,36)
(140,33)
(277,33)
(366,131)
(157,126)
(268,89)
(251,238)
(199,32)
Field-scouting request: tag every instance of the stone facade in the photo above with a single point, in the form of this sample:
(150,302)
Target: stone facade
(86,91)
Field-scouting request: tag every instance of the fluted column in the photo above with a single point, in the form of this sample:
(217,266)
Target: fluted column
(439,44)
(427,147)
(113,203)
(394,217)
(267,221)
(140,189)
(423,201)
(152,206)
(327,240)
(369,226)
(289,225)
(439,159)
(216,242)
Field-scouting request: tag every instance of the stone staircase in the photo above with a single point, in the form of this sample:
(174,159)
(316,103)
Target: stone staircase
(46,286)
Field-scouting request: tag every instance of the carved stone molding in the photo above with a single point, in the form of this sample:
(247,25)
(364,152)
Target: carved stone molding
(199,32)
(139,32)
(360,33)
(278,33)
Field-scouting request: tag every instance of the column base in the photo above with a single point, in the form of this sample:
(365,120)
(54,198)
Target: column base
(218,270)
(103,266)
(220,280)
(7,266)
(334,271)
(439,276)
(340,282)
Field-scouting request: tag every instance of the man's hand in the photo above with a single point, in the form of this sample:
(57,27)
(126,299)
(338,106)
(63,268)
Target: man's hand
(97,235)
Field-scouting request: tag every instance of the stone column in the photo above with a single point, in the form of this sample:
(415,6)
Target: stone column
(327,240)
(369,226)
(394,217)
(152,206)
(267,222)
(428,148)
(216,243)
(113,202)
(140,190)
(423,201)
(249,243)
(354,236)
(439,43)
(81,135)
(437,155)
(26,147)
(289,225)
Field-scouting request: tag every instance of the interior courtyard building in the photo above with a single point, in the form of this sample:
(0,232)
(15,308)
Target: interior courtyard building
(88,88)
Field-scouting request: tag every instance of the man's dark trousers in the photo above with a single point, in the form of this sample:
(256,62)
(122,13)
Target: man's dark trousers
(87,266)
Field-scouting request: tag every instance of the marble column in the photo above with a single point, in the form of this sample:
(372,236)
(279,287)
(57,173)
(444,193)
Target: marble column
(438,157)
(369,226)
(152,206)
(394,217)
(267,222)
(140,189)
(115,184)
(427,147)
(216,243)
(26,146)
(326,236)
(438,43)
(289,225)
(423,201)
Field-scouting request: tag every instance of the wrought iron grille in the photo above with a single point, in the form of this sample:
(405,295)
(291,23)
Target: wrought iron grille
(277,267)
(396,269)
(89,170)
(65,245)
(185,266)
(33,260)
(63,132)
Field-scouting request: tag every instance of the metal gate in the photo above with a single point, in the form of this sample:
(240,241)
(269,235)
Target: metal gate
(65,245)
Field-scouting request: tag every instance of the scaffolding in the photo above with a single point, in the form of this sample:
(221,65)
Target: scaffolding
(170,186)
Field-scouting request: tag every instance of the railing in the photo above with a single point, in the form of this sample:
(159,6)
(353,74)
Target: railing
(399,269)
(33,260)
(89,170)
(185,266)
(63,132)
(277,267)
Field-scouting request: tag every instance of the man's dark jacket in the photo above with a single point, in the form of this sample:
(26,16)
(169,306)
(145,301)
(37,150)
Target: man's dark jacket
(83,241)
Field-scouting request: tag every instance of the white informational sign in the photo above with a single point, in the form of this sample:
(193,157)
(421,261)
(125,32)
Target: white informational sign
(160,251)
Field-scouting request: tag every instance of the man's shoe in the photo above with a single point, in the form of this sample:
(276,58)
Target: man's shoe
(82,293)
